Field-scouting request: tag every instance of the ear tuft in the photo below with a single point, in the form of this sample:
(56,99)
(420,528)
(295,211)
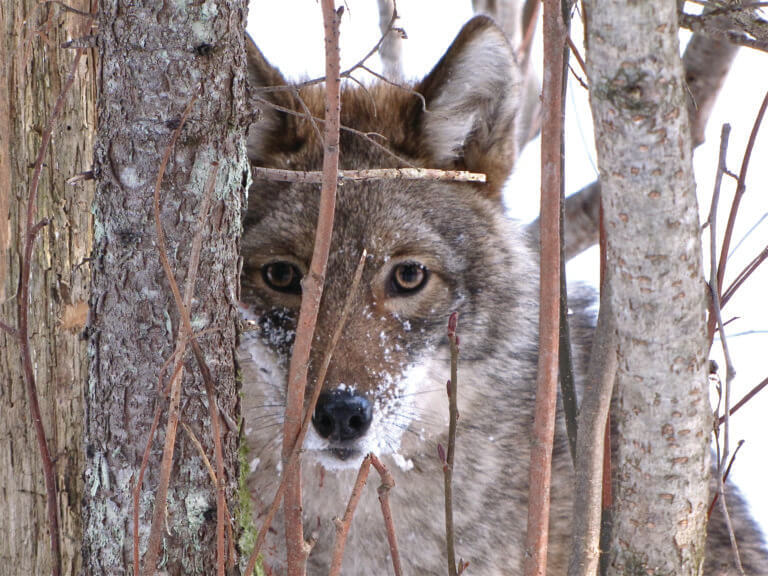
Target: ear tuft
(472,98)
(271,132)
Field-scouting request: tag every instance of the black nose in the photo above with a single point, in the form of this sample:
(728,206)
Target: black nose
(342,415)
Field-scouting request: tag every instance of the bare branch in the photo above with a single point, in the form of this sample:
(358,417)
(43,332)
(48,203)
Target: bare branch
(307,415)
(742,186)
(751,394)
(737,27)
(387,483)
(368,137)
(312,290)
(8,329)
(316,177)
(216,483)
(22,330)
(448,462)
(343,525)
(158,516)
(715,307)
(549,312)
(587,508)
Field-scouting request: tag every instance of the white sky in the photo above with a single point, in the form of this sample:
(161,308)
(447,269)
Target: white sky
(290,33)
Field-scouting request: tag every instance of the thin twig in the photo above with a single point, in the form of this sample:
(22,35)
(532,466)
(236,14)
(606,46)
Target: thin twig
(158,516)
(587,508)
(22,330)
(734,210)
(145,457)
(751,394)
(537,534)
(341,74)
(730,371)
(308,414)
(343,525)
(387,483)
(213,411)
(577,55)
(214,478)
(399,85)
(8,329)
(725,477)
(744,274)
(312,290)
(365,136)
(316,177)
(450,537)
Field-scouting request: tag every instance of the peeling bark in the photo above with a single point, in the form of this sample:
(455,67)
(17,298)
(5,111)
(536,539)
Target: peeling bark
(155,58)
(651,218)
(33,69)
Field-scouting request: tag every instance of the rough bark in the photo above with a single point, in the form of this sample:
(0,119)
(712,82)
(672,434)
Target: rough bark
(155,58)
(33,68)
(651,219)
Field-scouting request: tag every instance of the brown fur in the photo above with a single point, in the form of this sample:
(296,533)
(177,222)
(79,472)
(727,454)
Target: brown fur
(394,349)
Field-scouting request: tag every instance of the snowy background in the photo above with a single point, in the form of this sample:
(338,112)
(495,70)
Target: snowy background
(290,33)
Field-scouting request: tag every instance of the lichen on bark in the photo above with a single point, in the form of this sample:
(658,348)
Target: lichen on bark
(155,59)
(651,220)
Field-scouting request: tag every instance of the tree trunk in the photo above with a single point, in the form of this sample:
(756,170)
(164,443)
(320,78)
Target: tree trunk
(651,219)
(157,57)
(33,70)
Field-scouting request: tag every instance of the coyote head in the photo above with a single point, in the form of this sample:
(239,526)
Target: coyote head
(433,247)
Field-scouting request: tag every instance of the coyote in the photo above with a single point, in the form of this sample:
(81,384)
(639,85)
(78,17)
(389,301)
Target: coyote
(433,247)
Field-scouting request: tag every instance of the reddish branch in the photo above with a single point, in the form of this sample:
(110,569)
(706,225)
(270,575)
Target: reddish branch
(343,525)
(734,211)
(312,290)
(185,334)
(307,415)
(714,285)
(453,412)
(751,394)
(387,483)
(546,382)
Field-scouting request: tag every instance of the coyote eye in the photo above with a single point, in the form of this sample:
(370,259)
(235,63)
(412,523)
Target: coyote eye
(282,277)
(409,277)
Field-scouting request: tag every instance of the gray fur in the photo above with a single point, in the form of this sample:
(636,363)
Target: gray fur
(480,265)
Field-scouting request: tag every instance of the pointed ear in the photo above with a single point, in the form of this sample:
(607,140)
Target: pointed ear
(472,98)
(274,131)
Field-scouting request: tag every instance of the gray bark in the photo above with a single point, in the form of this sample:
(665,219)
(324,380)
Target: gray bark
(33,69)
(651,219)
(155,58)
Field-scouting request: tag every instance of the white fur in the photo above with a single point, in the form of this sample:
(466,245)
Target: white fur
(480,72)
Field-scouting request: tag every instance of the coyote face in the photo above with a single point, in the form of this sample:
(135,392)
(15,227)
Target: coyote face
(427,245)
(433,248)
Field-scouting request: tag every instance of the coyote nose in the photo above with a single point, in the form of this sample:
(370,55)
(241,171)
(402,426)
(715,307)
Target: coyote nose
(342,415)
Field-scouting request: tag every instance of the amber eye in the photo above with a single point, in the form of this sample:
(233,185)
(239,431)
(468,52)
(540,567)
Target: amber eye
(409,277)
(282,276)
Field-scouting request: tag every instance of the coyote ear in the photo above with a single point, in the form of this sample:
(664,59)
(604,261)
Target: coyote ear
(274,131)
(472,97)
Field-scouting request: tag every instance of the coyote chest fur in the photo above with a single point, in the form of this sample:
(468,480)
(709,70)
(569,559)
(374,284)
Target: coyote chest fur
(433,248)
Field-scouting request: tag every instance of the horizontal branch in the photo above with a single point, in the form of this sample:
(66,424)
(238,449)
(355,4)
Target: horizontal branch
(316,177)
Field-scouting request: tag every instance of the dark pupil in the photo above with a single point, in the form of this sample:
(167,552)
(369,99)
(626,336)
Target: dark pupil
(409,276)
(280,275)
